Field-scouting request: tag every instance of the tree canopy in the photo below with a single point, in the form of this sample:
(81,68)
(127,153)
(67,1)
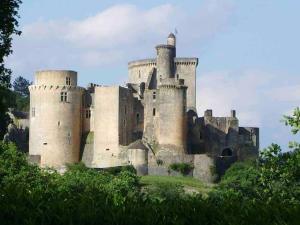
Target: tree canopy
(8,27)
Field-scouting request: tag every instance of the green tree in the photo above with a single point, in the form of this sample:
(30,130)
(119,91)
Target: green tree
(21,85)
(21,93)
(8,27)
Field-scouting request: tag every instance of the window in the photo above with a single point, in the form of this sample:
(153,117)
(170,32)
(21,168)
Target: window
(200,135)
(33,112)
(68,81)
(137,118)
(139,74)
(69,138)
(63,97)
(125,110)
(154,95)
(177,76)
(88,113)
(153,112)
(124,123)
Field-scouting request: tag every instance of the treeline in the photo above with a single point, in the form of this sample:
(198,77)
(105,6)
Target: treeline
(263,192)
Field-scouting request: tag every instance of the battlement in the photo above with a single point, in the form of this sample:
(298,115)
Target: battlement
(164,46)
(54,87)
(152,62)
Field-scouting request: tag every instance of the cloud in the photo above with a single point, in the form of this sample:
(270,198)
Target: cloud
(117,34)
(259,97)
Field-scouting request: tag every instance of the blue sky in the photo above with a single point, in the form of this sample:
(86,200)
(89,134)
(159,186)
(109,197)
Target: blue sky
(248,50)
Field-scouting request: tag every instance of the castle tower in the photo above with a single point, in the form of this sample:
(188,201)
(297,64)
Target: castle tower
(165,59)
(55,117)
(172,129)
(171,40)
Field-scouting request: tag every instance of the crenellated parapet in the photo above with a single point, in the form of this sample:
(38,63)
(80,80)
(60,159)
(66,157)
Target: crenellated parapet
(55,87)
(152,62)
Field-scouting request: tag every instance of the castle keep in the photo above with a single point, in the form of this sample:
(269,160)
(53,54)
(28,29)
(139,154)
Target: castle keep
(150,124)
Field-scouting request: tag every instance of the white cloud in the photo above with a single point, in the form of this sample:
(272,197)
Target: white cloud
(257,102)
(117,34)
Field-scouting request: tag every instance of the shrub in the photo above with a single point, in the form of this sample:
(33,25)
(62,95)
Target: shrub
(183,168)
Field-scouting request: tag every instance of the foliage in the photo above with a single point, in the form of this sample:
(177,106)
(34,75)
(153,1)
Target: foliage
(30,195)
(21,85)
(6,100)
(293,121)
(186,182)
(8,27)
(183,168)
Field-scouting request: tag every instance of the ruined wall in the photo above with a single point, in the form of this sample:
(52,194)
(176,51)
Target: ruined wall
(126,116)
(150,116)
(113,124)
(106,134)
(186,69)
(55,125)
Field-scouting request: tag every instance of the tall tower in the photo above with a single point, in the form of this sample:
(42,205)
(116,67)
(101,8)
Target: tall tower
(165,107)
(55,117)
(165,59)
(172,130)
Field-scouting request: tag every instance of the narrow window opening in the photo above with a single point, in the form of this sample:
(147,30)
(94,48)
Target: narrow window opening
(107,149)
(58,123)
(139,74)
(154,111)
(154,95)
(177,76)
(125,110)
(200,135)
(69,138)
(33,112)
(137,118)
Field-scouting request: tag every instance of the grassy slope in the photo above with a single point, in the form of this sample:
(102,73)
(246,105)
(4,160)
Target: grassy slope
(189,183)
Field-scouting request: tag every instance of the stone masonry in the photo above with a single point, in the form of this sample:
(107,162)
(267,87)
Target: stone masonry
(151,123)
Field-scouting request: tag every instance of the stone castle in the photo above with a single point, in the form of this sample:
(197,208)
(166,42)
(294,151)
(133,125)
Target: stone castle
(150,124)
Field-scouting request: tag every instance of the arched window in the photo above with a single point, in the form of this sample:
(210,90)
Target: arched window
(226,152)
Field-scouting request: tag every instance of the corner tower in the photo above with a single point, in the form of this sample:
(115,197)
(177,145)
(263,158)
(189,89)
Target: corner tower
(55,117)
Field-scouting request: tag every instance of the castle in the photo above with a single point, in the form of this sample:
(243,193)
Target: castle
(150,124)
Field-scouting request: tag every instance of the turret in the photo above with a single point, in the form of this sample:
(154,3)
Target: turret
(171,40)
(55,117)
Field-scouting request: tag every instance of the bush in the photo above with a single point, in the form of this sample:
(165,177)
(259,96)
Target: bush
(30,195)
(183,168)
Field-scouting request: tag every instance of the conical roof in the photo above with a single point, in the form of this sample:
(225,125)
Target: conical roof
(138,144)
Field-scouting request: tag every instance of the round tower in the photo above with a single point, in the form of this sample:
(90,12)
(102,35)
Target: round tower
(55,117)
(165,61)
(171,40)
(172,118)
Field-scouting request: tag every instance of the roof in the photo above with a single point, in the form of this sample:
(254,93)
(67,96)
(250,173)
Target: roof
(171,35)
(138,144)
